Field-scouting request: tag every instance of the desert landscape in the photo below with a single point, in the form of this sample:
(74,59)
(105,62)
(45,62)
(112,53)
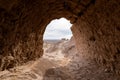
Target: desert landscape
(60,61)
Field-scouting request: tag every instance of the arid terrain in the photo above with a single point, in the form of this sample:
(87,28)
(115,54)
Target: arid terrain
(60,61)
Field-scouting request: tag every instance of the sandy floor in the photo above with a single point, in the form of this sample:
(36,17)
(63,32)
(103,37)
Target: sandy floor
(60,62)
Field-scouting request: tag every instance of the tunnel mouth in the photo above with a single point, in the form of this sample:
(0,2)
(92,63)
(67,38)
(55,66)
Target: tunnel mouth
(56,39)
(58,29)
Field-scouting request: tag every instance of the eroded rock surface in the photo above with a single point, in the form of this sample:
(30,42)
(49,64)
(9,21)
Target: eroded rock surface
(63,65)
(96,28)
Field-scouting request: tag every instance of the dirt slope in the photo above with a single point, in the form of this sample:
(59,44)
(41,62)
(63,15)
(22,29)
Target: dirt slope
(60,61)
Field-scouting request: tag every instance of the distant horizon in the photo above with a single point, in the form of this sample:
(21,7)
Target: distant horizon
(57,39)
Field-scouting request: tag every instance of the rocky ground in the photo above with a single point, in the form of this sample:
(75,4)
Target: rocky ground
(60,61)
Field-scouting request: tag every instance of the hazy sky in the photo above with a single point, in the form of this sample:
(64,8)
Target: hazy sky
(57,29)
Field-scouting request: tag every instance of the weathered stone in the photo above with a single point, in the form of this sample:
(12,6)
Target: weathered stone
(96,28)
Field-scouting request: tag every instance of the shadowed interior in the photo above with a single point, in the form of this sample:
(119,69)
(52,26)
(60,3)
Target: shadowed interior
(96,29)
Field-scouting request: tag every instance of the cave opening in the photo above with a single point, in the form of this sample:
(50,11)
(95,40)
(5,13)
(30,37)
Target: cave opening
(57,38)
(58,29)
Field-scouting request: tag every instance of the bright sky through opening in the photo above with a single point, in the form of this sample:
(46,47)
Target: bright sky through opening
(58,29)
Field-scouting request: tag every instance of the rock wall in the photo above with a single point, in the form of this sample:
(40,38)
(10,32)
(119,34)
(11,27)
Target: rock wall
(98,32)
(96,29)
